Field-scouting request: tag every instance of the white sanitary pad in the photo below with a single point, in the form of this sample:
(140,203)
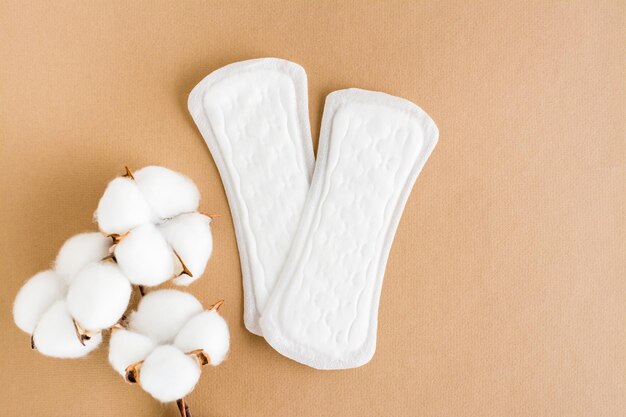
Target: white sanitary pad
(312,264)
(254,118)
(323,310)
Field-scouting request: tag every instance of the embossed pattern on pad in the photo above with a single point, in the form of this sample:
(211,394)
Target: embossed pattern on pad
(253,116)
(324,308)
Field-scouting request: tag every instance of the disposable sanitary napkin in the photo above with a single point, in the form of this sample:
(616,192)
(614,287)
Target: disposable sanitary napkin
(313,254)
(254,118)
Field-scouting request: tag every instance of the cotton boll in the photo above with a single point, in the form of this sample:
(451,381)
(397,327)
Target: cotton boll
(190,236)
(35,297)
(79,251)
(122,207)
(127,348)
(161,314)
(55,334)
(98,296)
(207,331)
(167,192)
(145,257)
(168,374)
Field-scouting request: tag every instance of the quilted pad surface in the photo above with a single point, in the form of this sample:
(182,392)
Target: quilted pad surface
(323,311)
(253,116)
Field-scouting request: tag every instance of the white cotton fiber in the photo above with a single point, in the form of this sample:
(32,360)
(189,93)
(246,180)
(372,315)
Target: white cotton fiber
(79,251)
(35,297)
(55,334)
(162,313)
(167,192)
(122,207)
(98,296)
(127,348)
(145,257)
(168,374)
(190,236)
(207,331)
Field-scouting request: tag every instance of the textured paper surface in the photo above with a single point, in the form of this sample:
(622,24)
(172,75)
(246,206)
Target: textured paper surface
(505,291)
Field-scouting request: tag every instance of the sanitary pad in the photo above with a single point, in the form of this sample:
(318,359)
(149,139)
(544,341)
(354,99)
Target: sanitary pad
(312,263)
(323,310)
(253,116)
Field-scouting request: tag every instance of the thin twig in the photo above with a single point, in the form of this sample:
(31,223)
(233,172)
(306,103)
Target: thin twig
(217,305)
(183,408)
(129,173)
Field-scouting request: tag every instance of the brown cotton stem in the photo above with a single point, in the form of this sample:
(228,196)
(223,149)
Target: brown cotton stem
(129,173)
(110,257)
(122,324)
(118,237)
(217,306)
(201,356)
(142,290)
(183,408)
(211,216)
(132,372)
(182,264)
(81,334)
(116,327)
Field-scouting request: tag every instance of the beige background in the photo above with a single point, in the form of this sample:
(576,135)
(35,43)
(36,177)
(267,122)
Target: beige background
(505,293)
